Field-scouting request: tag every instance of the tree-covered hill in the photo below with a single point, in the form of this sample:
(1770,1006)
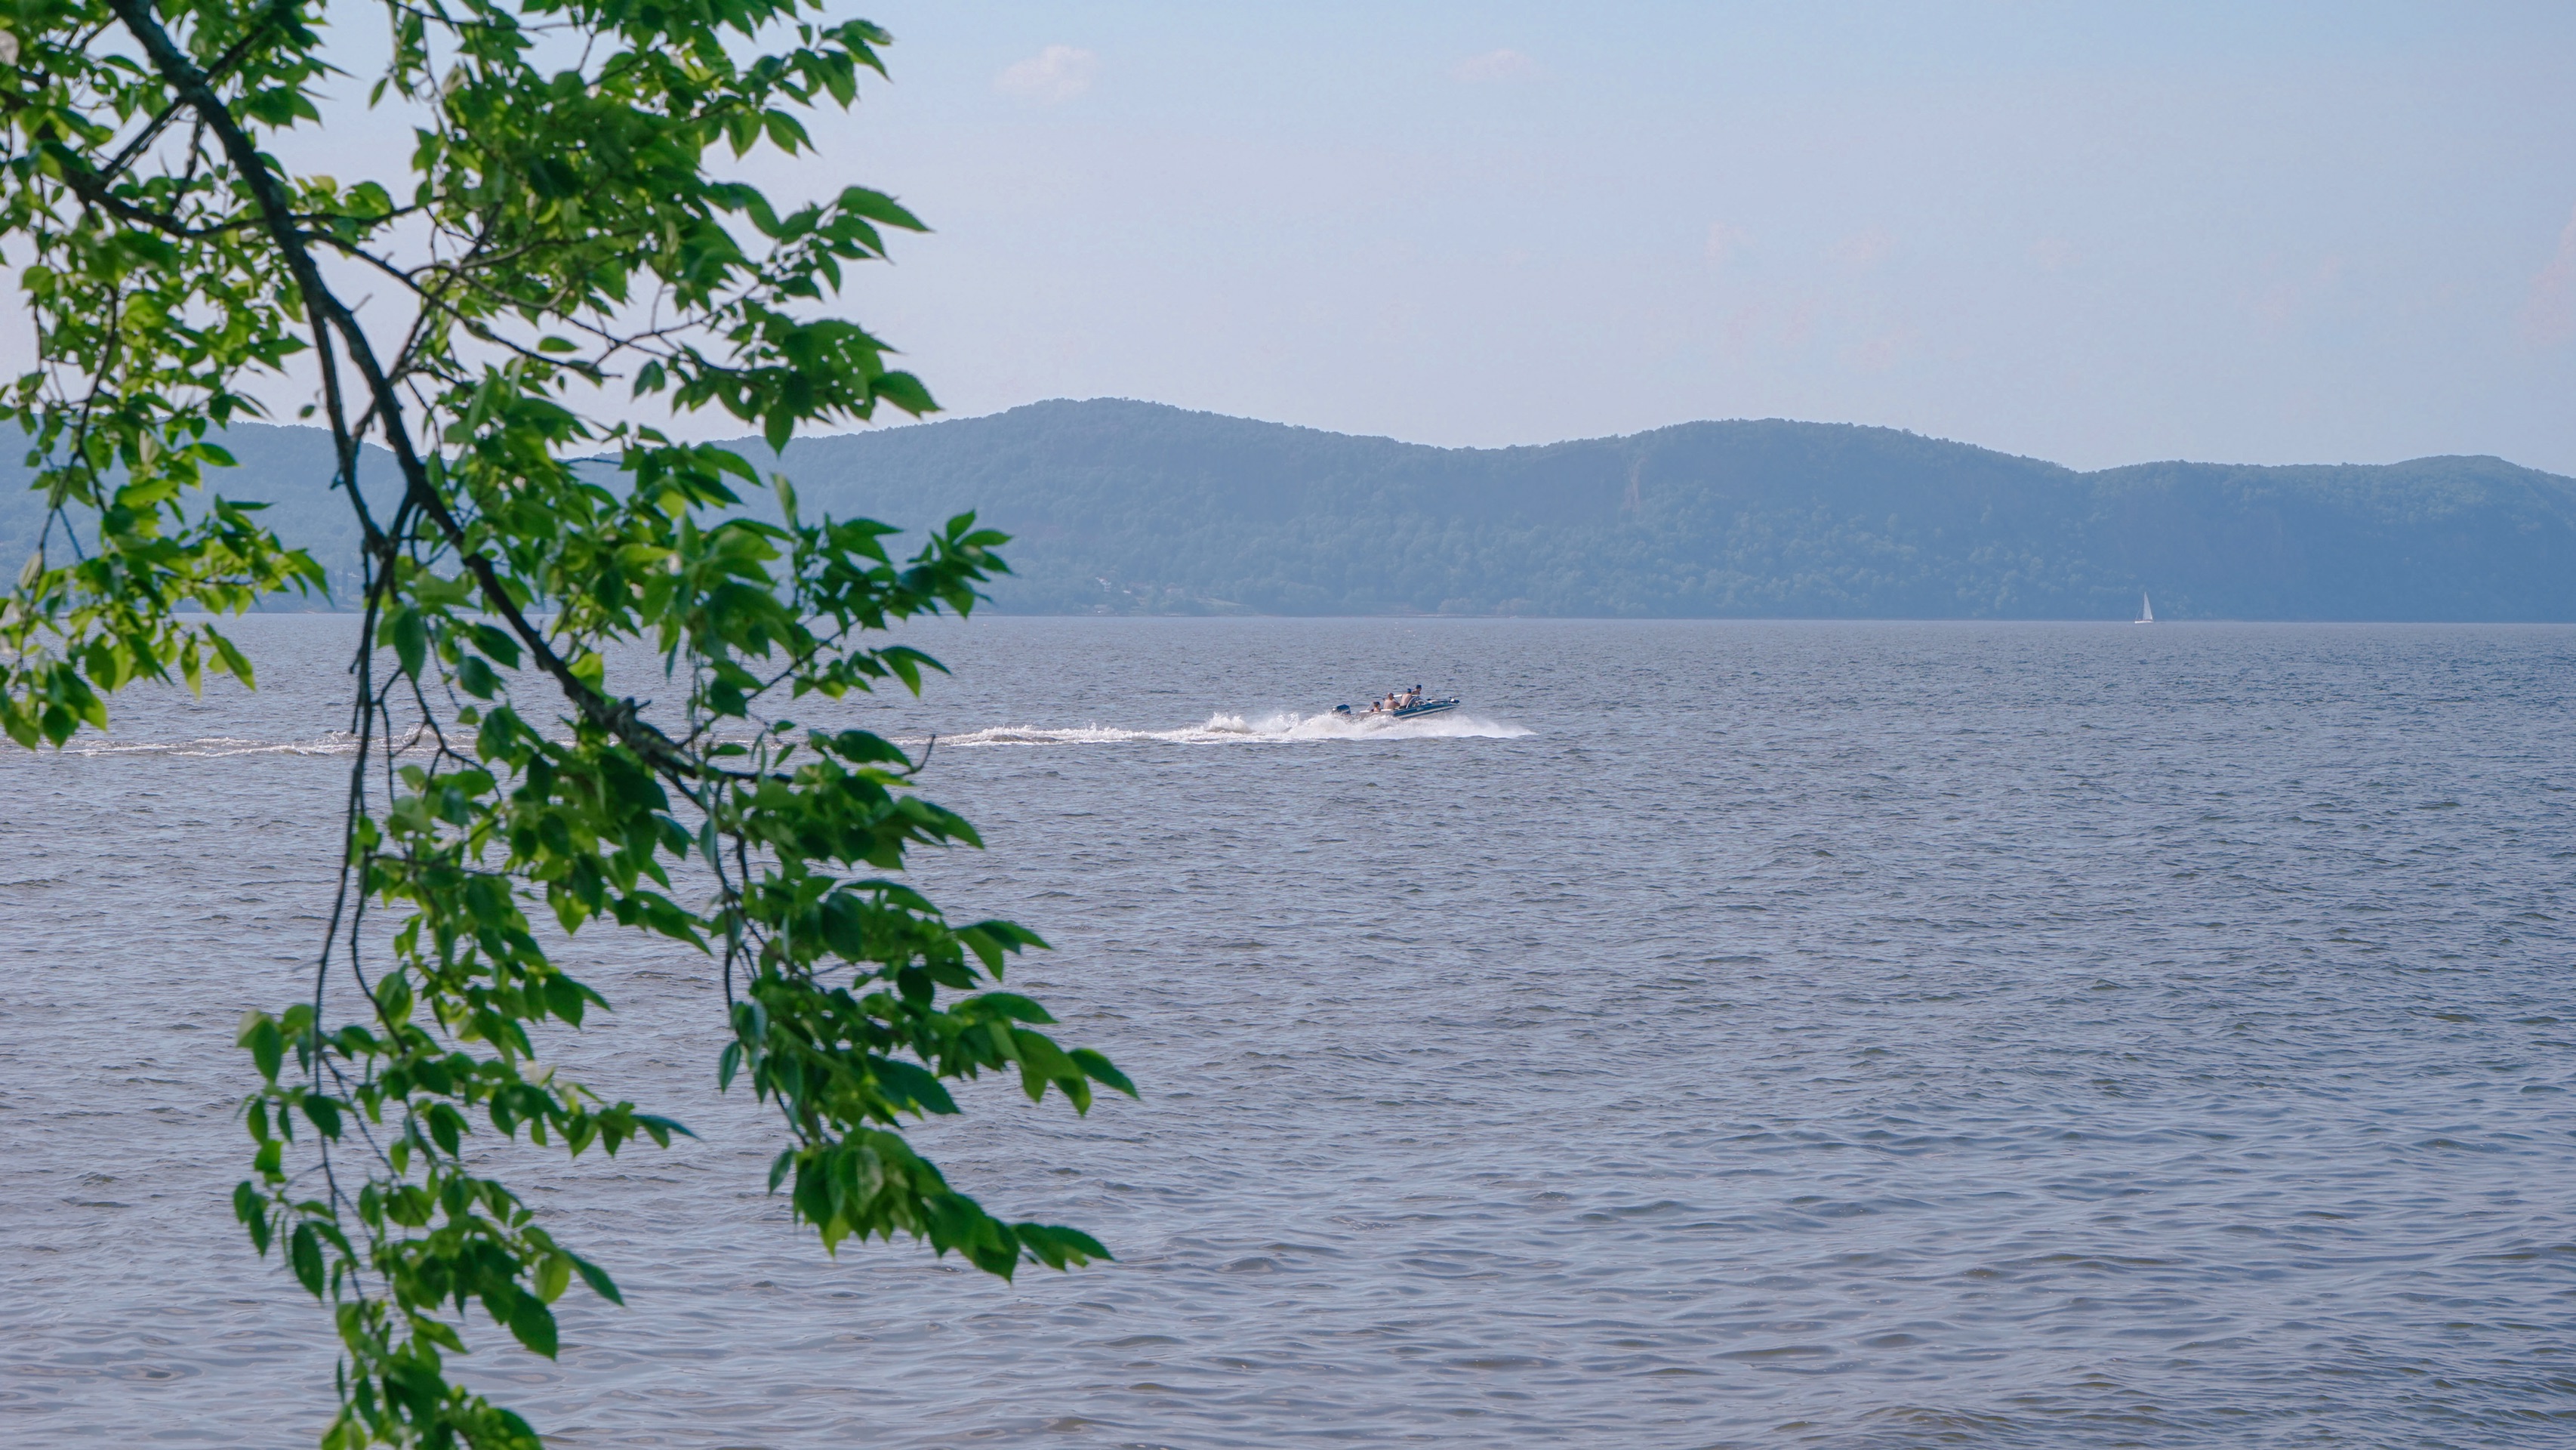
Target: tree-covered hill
(1136,507)
(1128,506)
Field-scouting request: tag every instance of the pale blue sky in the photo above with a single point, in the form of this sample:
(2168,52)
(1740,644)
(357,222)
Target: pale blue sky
(2096,234)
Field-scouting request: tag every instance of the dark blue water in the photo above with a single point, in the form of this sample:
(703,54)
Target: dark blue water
(1720,1034)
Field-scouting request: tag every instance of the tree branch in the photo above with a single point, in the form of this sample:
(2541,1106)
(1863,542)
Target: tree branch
(616,716)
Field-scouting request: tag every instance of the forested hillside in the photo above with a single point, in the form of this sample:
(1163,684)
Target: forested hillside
(1134,507)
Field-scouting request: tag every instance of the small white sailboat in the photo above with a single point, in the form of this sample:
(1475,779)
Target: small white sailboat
(2146,611)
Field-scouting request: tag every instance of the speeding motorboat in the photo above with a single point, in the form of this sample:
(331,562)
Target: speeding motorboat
(1401,705)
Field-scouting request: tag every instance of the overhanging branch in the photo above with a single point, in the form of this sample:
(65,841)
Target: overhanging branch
(616,716)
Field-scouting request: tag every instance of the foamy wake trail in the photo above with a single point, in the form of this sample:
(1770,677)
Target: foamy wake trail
(1218,729)
(1224,729)
(330,742)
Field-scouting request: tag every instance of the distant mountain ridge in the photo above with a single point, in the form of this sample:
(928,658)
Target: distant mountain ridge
(1130,507)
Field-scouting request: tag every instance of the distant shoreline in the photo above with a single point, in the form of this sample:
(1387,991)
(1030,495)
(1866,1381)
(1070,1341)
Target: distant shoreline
(1138,509)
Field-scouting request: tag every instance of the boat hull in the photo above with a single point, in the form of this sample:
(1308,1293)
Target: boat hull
(1409,712)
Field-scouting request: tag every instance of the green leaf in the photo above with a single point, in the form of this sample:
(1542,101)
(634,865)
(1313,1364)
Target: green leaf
(1012,1006)
(912,1087)
(1058,1247)
(252,1209)
(325,1113)
(304,1254)
(1099,1070)
(393,998)
(446,1128)
(533,1324)
(267,1045)
(496,642)
(906,392)
(786,133)
(986,950)
(661,1129)
(235,662)
(861,747)
(409,635)
(876,206)
(598,1280)
(564,999)
(440,1334)
(554,1273)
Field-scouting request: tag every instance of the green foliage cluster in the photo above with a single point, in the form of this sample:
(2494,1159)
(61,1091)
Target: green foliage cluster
(559,230)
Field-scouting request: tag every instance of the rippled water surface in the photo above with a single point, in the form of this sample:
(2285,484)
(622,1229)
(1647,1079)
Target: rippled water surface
(1715,1034)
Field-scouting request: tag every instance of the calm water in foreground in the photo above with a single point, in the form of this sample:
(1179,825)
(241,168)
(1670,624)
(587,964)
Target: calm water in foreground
(1723,1034)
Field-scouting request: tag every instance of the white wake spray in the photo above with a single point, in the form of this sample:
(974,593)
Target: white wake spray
(1277,729)
(1219,729)
(329,742)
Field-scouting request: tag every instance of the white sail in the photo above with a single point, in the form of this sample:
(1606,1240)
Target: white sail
(2146,611)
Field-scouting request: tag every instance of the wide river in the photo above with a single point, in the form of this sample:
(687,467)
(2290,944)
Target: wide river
(1715,1034)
